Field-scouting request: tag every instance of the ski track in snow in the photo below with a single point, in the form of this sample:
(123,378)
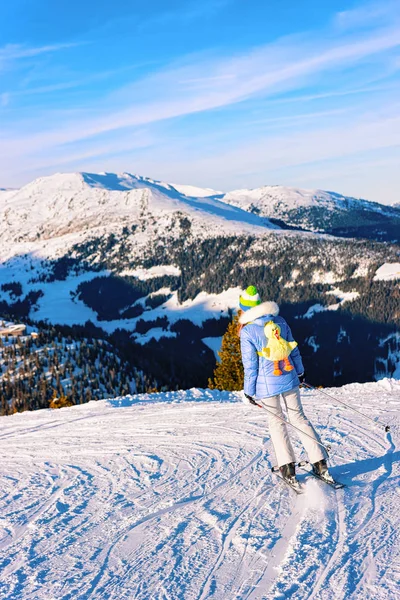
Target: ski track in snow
(174,500)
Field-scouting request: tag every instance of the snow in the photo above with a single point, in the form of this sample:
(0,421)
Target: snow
(60,305)
(214,343)
(271,196)
(344,296)
(317,308)
(44,219)
(328,277)
(278,201)
(196,192)
(384,366)
(158,271)
(66,203)
(155,333)
(342,335)
(204,306)
(312,342)
(388,272)
(171,496)
(57,305)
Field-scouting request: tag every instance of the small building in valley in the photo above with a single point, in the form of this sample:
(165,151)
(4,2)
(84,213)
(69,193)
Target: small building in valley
(11,328)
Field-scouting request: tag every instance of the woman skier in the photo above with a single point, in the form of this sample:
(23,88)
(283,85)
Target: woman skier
(273,368)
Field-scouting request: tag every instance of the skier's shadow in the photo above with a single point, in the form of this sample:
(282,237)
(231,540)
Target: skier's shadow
(368,465)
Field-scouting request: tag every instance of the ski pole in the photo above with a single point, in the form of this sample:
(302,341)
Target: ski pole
(327,447)
(375,422)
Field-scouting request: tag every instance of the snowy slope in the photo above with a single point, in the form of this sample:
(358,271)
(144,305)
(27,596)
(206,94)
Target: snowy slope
(71,203)
(317,210)
(66,208)
(271,198)
(194,191)
(49,215)
(170,496)
(388,272)
(59,233)
(276,199)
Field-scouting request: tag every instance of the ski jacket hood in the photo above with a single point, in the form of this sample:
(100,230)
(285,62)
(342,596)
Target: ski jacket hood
(266,308)
(259,378)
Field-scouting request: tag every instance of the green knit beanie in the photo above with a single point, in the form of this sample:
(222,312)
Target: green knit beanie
(249,298)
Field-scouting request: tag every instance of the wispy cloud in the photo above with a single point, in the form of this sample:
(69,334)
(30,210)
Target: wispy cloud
(301,117)
(334,93)
(13,52)
(88,80)
(132,116)
(107,149)
(294,155)
(206,85)
(369,14)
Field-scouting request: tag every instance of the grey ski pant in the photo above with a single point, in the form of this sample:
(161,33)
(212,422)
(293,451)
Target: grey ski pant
(279,433)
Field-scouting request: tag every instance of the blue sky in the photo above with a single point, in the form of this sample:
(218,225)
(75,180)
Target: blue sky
(218,93)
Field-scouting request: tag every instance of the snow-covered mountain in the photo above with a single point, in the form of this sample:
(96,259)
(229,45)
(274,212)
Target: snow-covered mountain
(158,267)
(74,203)
(319,210)
(171,496)
(84,203)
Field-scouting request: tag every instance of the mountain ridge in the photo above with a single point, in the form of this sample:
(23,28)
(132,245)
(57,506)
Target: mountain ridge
(91,198)
(73,202)
(156,271)
(321,211)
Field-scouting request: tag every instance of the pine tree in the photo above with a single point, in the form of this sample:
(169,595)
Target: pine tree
(60,402)
(228,374)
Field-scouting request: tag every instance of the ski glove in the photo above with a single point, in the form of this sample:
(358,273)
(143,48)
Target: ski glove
(251,400)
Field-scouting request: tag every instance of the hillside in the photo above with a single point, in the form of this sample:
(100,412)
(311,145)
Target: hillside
(320,211)
(156,272)
(67,205)
(171,496)
(37,368)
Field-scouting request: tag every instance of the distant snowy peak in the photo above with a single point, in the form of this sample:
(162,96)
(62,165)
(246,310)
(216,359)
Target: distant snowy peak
(269,195)
(320,210)
(96,204)
(271,198)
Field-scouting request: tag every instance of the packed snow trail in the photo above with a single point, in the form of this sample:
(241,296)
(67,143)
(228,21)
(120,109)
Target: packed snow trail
(170,497)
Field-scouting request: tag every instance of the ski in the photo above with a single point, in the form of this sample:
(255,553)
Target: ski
(336,485)
(295,486)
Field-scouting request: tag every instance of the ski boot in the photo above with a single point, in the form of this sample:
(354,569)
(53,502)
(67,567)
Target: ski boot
(320,469)
(288,473)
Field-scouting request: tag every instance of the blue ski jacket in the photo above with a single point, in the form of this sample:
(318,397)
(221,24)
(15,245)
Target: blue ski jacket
(259,380)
